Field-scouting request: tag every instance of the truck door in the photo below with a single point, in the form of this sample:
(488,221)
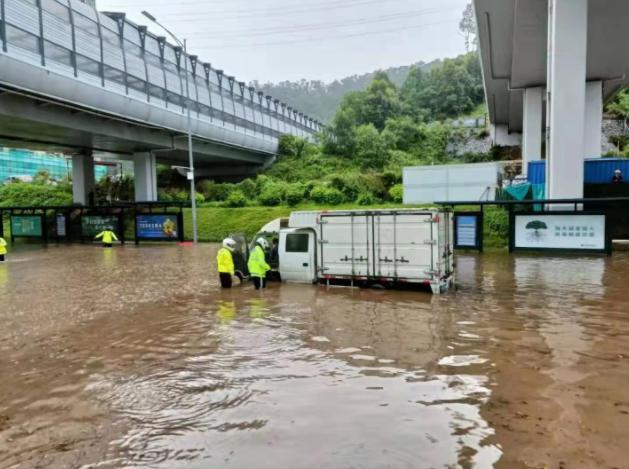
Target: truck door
(297,253)
(346,245)
(403,245)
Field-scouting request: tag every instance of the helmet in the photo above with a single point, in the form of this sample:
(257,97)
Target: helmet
(618,171)
(229,244)
(263,242)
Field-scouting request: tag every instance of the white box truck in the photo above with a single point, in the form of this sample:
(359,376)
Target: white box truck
(363,247)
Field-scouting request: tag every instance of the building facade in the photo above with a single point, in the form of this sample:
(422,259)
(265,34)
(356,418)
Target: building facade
(24,165)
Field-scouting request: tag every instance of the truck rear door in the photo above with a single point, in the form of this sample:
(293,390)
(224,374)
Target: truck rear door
(346,245)
(404,245)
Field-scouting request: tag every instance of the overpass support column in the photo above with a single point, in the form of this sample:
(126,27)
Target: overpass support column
(593,119)
(145,177)
(83,180)
(532,128)
(567,56)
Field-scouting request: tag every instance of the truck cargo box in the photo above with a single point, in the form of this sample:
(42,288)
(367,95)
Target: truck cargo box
(377,246)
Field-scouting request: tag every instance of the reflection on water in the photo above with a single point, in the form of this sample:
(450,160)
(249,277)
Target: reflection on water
(134,358)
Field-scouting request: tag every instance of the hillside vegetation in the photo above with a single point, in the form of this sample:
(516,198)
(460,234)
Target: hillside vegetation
(320,100)
(374,134)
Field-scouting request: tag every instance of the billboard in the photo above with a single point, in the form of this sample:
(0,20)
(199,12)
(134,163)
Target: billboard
(26,226)
(91,225)
(575,232)
(157,226)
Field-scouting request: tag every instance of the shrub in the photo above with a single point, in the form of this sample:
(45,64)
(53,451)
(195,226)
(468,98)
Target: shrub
(327,195)
(236,199)
(294,194)
(272,194)
(213,191)
(164,196)
(22,194)
(248,188)
(396,193)
(198,198)
(367,198)
(181,196)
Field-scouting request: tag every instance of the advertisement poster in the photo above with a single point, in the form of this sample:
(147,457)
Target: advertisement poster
(26,226)
(570,232)
(91,225)
(157,227)
(467,231)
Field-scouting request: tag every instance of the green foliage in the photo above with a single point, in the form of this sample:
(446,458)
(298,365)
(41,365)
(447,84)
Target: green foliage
(403,133)
(366,199)
(164,196)
(396,193)
(19,194)
(370,147)
(213,191)
(449,90)
(271,194)
(294,194)
(320,99)
(198,197)
(327,195)
(236,198)
(619,107)
(296,147)
(248,188)
(110,189)
(496,227)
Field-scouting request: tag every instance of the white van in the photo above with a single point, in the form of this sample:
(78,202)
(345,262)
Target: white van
(362,247)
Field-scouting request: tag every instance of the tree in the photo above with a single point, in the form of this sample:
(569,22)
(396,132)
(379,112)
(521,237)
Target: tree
(448,90)
(381,102)
(371,149)
(468,28)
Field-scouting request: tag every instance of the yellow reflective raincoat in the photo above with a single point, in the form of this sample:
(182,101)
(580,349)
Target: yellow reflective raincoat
(225,261)
(257,263)
(3,247)
(107,236)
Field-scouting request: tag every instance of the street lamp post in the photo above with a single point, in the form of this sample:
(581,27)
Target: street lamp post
(193,191)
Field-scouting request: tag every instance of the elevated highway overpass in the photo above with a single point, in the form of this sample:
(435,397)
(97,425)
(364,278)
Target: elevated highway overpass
(80,81)
(549,66)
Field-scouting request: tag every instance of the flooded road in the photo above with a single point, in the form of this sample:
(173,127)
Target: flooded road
(134,358)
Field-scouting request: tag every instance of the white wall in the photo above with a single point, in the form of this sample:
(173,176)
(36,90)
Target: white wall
(427,184)
(500,136)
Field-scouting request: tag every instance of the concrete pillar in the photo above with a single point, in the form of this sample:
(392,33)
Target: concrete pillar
(145,177)
(532,127)
(567,56)
(83,180)
(593,119)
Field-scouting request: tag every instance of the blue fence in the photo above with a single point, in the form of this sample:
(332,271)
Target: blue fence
(597,171)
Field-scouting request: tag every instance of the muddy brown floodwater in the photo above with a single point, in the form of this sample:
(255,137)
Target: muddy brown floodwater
(133,357)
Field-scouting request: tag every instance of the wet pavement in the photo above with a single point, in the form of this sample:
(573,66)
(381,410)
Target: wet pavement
(133,357)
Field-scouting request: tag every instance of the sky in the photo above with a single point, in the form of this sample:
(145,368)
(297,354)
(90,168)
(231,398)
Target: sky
(276,40)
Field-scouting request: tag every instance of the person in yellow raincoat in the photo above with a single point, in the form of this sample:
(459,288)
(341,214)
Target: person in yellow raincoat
(107,236)
(225,262)
(3,249)
(257,264)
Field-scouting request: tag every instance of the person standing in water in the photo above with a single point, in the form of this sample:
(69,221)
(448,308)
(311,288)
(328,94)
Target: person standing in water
(257,264)
(108,237)
(3,249)
(225,262)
